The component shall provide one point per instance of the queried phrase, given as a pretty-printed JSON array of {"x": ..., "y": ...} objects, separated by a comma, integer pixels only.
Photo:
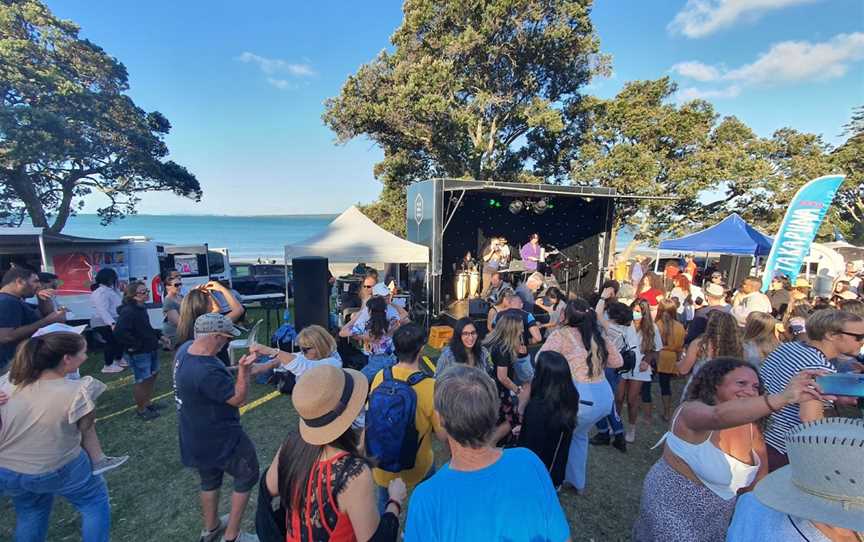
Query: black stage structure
[{"x": 454, "y": 216}]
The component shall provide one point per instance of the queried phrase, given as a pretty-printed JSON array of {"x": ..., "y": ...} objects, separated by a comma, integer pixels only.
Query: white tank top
[{"x": 719, "y": 471}]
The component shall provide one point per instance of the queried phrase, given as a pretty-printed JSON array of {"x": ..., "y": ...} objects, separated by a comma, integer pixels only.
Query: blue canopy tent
[{"x": 731, "y": 236}]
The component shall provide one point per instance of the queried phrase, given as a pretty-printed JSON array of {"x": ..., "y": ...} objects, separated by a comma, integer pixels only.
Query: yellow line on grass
[
  {"x": 133, "y": 407},
  {"x": 260, "y": 401}
]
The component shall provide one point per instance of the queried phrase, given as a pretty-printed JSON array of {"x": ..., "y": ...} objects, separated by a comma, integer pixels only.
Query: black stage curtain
[{"x": 572, "y": 224}]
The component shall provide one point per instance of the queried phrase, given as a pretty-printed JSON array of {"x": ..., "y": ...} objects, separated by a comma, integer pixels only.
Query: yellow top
[{"x": 425, "y": 421}]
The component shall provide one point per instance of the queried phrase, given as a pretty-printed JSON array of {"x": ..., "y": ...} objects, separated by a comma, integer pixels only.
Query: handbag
[{"x": 628, "y": 356}]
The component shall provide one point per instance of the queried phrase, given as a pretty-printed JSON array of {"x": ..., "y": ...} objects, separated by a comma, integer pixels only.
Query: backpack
[{"x": 392, "y": 440}]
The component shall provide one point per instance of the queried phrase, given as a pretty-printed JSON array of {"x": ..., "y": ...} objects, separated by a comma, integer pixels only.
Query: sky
[{"x": 243, "y": 83}]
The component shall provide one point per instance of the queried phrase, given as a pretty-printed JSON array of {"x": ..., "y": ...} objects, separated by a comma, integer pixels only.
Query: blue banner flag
[{"x": 805, "y": 214}]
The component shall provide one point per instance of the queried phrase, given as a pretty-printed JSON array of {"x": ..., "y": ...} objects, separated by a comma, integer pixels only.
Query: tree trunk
[
  {"x": 26, "y": 191},
  {"x": 64, "y": 209}
]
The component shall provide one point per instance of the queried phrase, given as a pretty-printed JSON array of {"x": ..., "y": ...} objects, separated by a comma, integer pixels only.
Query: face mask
[{"x": 637, "y": 316}]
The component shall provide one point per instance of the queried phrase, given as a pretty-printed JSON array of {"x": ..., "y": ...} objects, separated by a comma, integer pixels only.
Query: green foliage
[
  {"x": 474, "y": 88},
  {"x": 66, "y": 127},
  {"x": 848, "y": 211}
]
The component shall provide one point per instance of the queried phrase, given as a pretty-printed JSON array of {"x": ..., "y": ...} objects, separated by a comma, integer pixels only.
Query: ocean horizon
[{"x": 247, "y": 238}]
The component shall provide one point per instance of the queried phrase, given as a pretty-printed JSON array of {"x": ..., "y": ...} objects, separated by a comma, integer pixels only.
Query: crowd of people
[{"x": 755, "y": 450}]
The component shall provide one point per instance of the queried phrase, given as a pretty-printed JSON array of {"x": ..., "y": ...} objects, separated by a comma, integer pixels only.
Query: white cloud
[
  {"x": 785, "y": 62},
  {"x": 697, "y": 71},
  {"x": 273, "y": 68},
  {"x": 693, "y": 93},
  {"x": 700, "y": 18}
]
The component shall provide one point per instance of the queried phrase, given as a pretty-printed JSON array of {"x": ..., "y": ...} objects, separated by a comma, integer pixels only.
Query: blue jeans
[
  {"x": 143, "y": 365},
  {"x": 382, "y": 496},
  {"x": 376, "y": 363},
  {"x": 613, "y": 420},
  {"x": 523, "y": 371},
  {"x": 600, "y": 394},
  {"x": 33, "y": 496}
]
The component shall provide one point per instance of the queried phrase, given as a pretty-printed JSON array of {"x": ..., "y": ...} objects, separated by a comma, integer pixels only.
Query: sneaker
[
  {"x": 216, "y": 534},
  {"x": 113, "y": 368},
  {"x": 619, "y": 443},
  {"x": 600, "y": 439},
  {"x": 122, "y": 363},
  {"x": 630, "y": 434},
  {"x": 147, "y": 414},
  {"x": 243, "y": 537},
  {"x": 108, "y": 463}
]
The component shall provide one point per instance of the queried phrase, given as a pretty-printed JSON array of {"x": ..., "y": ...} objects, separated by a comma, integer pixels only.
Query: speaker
[
  {"x": 311, "y": 292},
  {"x": 735, "y": 269}
]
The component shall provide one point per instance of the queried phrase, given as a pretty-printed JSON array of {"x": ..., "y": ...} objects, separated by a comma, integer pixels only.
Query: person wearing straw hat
[
  {"x": 817, "y": 497},
  {"x": 320, "y": 473},
  {"x": 212, "y": 441}
]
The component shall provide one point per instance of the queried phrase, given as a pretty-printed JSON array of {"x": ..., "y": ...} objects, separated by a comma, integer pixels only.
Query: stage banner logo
[{"x": 805, "y": 214}]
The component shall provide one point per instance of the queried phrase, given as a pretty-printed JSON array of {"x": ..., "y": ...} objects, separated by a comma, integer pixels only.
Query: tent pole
[{"x": 657, "y": 261}]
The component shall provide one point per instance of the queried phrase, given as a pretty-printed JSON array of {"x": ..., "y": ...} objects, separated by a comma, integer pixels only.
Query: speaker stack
[{"x": 311, "y": 292}]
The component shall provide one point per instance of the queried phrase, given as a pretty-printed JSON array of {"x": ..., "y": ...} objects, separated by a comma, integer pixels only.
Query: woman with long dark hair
[
  {"x": 554, "y": 304},
  {"x": 323, "y": 481},
  {"x": 376, "y": 335},
  {"x": 588, "y": 354},
  {"x": 140, "y": 344},
  {"x": 551, "y": 414},
  {"x": 465, "y": 347},
  {"x": 44, "y": 425},
  {"x": 106, "y": 299},
  {"x": 713, "y": 450},
  {"x": 637, "y": 383}
]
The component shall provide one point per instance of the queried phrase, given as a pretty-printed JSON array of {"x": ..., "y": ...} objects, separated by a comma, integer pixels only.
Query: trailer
[{"x": 76, "y": 260}]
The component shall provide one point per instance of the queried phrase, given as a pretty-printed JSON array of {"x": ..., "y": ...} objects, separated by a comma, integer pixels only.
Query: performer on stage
[
  {"x": 531, "y": 253},
  {"x": 467, "y": 263},
  {"x": 493, "y": 259}
]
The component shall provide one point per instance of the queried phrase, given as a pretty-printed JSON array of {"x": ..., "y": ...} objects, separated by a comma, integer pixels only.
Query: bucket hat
[
  {"x": 328, "y": 399},
  {"x": 715, "y": 290},
  {"x": 824, "y": 480}
]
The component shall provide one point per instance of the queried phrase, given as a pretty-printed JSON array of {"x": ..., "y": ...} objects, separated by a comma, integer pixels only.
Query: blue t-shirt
[
  {"x": 755, "y": 521},
  {"x": 512, "y": 499},
  {"x": 14, "y": 313},
  {"x": 209, "y": 427}
]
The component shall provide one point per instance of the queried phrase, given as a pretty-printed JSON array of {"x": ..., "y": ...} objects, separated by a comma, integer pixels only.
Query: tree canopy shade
[
  {"x": 482, "y": 89},
  {"x": 67, "y": 129}
]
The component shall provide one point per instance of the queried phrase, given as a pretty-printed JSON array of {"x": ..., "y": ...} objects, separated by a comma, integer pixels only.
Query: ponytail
[
  {"x": 43, "y": 353},
  {"x": 582, "y": 318}
]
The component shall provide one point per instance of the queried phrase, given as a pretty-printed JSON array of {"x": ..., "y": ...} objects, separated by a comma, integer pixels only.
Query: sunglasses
[
  {"x": 367, "y": 286},
  {"x": 858, "y": 336},
  {"x": 176, "y": 284},
  {"x": 142, "y": 292},
  {"x": 306, "y": 349}
]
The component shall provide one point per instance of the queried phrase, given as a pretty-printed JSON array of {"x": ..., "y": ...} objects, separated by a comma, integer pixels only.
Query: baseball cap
[
  {"x": 380, "y": 289},
  {"x": 715, "y": 290},
  {"x": 60, "y": 328},
  {"x": 213, "y": 322}
]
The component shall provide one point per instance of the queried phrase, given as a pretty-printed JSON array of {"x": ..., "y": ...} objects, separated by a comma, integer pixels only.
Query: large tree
[
  {"x": 848, "y": 210},
  {"x": 473, "y": 88},
  {"x": 68, "y": 130}
]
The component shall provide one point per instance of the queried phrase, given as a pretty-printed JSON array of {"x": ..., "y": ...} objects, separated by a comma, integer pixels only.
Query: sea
[{"x": 247, "y": 238}]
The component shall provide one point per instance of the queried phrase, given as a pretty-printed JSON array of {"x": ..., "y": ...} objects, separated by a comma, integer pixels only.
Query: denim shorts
[
  {"x": 242, "y": 466},
  {"x": 143, "y": 365},
  {"x": 523, "y": 371}
]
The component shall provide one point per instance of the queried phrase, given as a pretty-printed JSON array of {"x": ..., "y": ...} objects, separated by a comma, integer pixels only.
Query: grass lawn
[{"x": 154, "y": 498}]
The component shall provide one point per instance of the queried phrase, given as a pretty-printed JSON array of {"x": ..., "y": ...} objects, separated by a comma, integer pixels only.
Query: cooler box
[{"x": 440, "y": 336}]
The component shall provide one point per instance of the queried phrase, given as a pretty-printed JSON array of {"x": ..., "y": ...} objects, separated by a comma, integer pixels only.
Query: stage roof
[
  {"x": 352, "y": 238},
  {"x": 542, "y": 189},
  {"x": 731, "y": 236}
]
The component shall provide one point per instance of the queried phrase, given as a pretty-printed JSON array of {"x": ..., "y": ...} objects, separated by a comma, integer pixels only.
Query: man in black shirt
[{"x": 212, "y": 441}]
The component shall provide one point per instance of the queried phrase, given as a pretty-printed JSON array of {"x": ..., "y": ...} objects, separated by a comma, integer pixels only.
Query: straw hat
[
  {"x": 328, "y": 399},
  {"x": 824, "y": 480},
  {"x": 801, "y": 282}
]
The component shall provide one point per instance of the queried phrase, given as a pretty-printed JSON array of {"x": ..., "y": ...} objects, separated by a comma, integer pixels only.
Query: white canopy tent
[{"x": 352, "y": 238}]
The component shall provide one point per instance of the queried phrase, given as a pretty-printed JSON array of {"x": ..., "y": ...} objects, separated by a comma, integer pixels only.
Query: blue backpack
[{"x": 391, "y": 434}]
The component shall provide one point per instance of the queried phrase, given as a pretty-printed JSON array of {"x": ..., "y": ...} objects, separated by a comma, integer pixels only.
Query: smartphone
[{"x": 849, "y": 384}]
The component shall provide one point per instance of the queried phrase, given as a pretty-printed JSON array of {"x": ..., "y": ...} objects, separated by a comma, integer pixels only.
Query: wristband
[{"x": 398, "y": 506}]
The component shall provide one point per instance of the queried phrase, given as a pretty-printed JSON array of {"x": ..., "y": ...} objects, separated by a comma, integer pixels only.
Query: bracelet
[
  {"x": 768, "y": 404},
  {"x": 398, "y": 506}
]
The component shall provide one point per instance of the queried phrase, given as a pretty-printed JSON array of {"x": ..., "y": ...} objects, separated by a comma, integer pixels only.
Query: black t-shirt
[
  {"x": 544, "y": 433},
  {"x": 14, "y": 313},
  {"x": 209, "y": 427}
]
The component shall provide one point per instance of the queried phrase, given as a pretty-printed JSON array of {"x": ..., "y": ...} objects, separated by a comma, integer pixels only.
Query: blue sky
[{"x": 243, "y": 83}]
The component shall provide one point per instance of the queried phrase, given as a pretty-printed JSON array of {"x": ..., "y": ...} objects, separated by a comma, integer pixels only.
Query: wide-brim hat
[
  {"x": 328, "y": 400},
  {"x": 715, "y": 290},
  {"x": 59, "y": 328},
  {"x": 824, "y": 480}
]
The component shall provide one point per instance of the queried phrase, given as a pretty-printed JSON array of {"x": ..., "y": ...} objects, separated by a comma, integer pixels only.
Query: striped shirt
[{"x": 779, "y": 367}]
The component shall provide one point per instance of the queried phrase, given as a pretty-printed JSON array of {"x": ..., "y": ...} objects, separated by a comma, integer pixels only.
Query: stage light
[
  {"x": 516, "y": 206},
  {"x": 540, "y": 206}
]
